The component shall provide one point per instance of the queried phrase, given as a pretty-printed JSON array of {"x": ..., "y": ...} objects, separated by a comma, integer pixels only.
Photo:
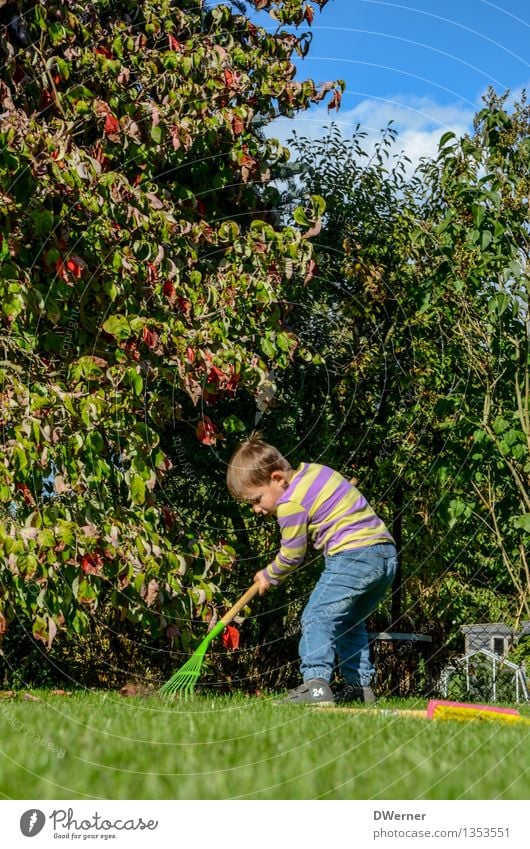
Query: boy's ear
[{"x": 278, "y": 476}]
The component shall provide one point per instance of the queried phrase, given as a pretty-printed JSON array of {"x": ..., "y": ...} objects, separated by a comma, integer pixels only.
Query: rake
[{"x": 184, "y": 680}]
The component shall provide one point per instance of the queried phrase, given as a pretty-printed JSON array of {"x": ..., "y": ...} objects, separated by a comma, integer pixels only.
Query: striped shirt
[{"x": 321, "y": 504}]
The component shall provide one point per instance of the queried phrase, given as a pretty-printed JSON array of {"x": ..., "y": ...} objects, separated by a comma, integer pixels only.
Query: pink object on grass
[{"x": 435, "y": 703}]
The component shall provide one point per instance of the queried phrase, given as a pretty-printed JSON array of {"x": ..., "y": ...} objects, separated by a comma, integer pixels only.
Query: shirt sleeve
[{"x": 292, "y": 519}]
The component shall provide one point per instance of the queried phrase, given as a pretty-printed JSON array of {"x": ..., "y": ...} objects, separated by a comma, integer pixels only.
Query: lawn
[{"x": 101, "y": 745}]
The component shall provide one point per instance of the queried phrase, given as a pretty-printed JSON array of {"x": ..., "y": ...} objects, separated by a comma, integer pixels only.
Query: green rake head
[{"x": 184, "y": 680}]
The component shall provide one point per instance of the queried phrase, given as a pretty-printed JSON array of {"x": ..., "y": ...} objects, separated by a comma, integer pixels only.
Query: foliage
[
  {"x": 422, "y": 283},
  {"x": 154, "y": 307},
  {"x": 388, "y": 373},
  {"x": 477, "y": 242},
  {"x": 141, "y": 283}
]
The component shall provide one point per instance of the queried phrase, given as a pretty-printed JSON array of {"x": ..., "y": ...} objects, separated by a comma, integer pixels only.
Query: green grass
[{"x": 100, "y": 745}]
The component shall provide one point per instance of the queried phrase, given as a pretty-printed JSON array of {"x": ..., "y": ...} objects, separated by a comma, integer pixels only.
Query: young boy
[{"x": 360, "y": 563}]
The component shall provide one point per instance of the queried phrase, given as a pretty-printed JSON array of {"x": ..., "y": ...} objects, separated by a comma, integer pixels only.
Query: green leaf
[
  {"x": 89, "y": 367},
  {"x": 319, "y": 205},
  {"x": 233, "y": 425},
  {"x": 40, "y": 629},
  {"x": 40, "y": 15},
  {"x": 523, "y": 522},
  {"x": 500, "y": 425},
  {"x": 94, "y": 442},
  {"x": 137, "y": 489},
  {"x": 42, "y": 221},
  {"x": 498, "y": 304},
  {"x": 445, "y": 138},
  {"x": 117, "y": 326},
  {"x": 186, "y": 65},
  {"x": 63, "y": 68},
  {"x": 46, "y": 538},
  {"x": 485, "y": 239},
  {"x": 300, "y": 217},
  {"x": 268, "y": 348},
  {"x": 157, "y": 134},
  {"x": 470, "y": 149},
  {"x": 478, "y": 214},
  {"x": 134, "y": 380},
  {"x": 80, "y": 622}
]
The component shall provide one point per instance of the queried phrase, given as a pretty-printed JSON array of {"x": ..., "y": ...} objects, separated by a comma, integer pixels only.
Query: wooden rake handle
[{"x": 245, "y": 598}]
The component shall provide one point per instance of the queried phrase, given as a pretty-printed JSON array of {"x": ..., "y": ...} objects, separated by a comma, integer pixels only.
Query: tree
[
  {"x": 413, "y": 277},
  {"x": 140, "y": 282},
  {"x": 478, "y": 243}
]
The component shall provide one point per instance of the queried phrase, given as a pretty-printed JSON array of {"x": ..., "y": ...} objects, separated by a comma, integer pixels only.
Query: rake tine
[{"x": 184, "y": 680}]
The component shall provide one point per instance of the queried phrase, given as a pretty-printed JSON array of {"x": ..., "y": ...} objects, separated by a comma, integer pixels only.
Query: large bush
[{"x": 141, "y": 287}]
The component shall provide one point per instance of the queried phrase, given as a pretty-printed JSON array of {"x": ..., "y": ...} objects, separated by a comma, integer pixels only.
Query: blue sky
[{"x": 425, "y": 64}]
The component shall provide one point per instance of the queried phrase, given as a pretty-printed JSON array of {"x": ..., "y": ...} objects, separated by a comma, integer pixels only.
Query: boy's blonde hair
[{"x": 252, "y": 464}]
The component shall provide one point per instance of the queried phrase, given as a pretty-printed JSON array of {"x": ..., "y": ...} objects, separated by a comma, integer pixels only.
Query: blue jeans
[{"x": 333, "y": 622}]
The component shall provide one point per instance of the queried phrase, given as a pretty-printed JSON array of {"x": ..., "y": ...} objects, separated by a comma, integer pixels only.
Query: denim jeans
[{"x": 333, "y": 622}]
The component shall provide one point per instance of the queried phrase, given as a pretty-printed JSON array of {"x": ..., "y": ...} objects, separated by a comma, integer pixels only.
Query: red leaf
[
  {"x": 216, "y": 375},
  {"x": 185, "y": 306},
  {"x": 237, "y": 125},
  {"x": 152, "y": 592},
  {"x": 75, "y": 267},
  {"x": 149, "y": 337},
  {"x": 201, "y": 208},
  {"x": 46, "y": 98},
  {"x": 152, "y": 272},
  {"x": 231, "y": 637},
  {"x": 61, "y": 270},
  {"x": 173, "y": 43},
  {"x": 18, "y": 74},
  {"x": 99, "y": 156},
  {"x": 91, "y": 564},
  {"x": 103, "y": 51},
  {"x": 312, "y": 269},
  {"x": 233, "y": 380},
  {"x": 26, "y": 493},
  {"x": 190, "y": 355},
  {"x": 112, "y": 125},
  {"x": 334, "y": 103},
  {"x": 169, "y": 291},
  {"x": 309, "y": 15},
  {"x": 207, "y": 431},
  {"x": 132, "y": 350},
  {"x": 229, "y": 78},
  {"x": 169, "y": 518},
  {"x": 246, "y": 159}
]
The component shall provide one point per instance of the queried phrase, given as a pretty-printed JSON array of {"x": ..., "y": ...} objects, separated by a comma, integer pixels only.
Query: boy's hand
[{"x": 264, "y": 584}]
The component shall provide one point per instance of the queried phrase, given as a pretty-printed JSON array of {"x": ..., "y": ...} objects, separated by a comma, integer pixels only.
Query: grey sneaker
[
  {"x": 350, "y": 693},
  {"x": 316, "y": 691}
]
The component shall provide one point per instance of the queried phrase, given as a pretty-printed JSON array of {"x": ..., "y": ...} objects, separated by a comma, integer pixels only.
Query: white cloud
[{"x": 420, "y": 122}]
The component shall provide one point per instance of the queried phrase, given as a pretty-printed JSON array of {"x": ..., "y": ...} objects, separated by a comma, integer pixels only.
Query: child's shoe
[
  {"x": 316, "y": 691},
  {"x": 350, "y": 693}
]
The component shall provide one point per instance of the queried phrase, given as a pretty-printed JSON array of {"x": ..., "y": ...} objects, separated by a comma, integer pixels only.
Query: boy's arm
[{"x": 292, "y": 519}]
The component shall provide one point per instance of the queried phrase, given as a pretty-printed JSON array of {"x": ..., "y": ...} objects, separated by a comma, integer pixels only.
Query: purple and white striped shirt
[{"x": 322, "y": 505}]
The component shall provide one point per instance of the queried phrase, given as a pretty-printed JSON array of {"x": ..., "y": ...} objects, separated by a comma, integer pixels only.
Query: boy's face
[{"x": 263, "y": 499}]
